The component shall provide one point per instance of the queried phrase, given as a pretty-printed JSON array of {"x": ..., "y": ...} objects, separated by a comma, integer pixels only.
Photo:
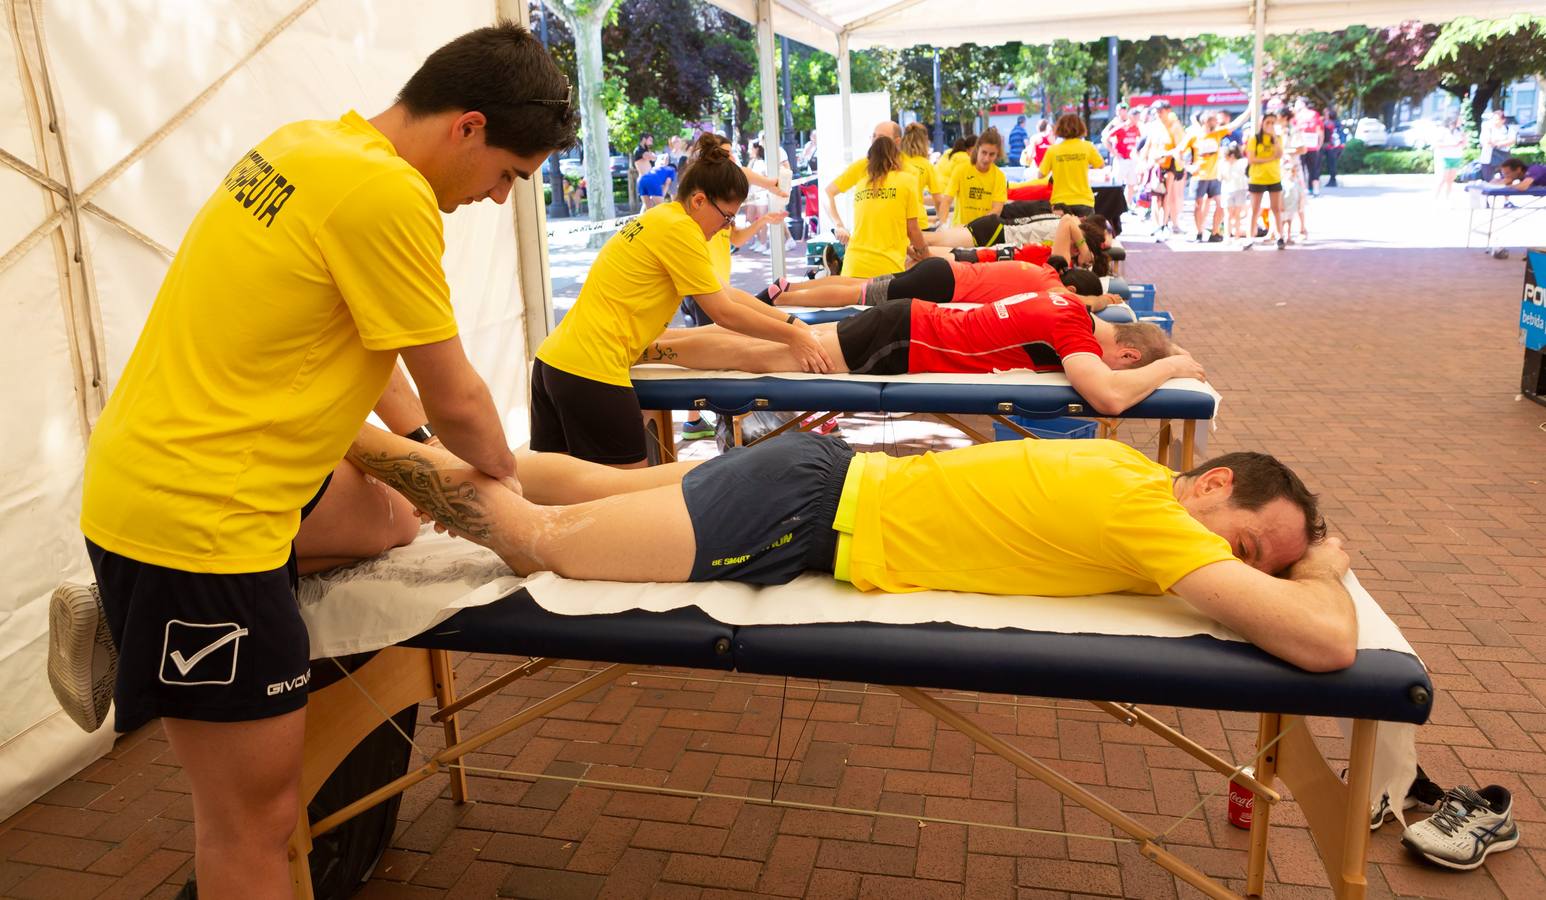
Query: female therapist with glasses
[{"x": 582, "y": 400}]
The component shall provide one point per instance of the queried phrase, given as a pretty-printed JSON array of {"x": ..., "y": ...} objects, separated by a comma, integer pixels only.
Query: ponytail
[
  {"x": 884, "y": 157},
  {"x": 711, "y": 170}
]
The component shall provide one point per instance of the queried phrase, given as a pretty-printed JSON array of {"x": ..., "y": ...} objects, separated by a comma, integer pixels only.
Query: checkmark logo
[
  {"x": 184, "y": 664},
  {"x": 209, "y": 648}
]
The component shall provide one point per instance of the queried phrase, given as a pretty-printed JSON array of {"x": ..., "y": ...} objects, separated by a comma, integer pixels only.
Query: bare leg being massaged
[{"x": 1213, "y": 536}]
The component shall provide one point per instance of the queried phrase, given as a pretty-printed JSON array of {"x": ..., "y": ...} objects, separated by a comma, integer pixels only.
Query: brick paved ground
[{"x": 1387, "y": 376}]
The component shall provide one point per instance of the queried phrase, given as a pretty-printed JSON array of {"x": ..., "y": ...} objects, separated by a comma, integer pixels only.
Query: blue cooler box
[
  {"x": 1141, "y": 297},
  {"x": 1050, "y": 429}
]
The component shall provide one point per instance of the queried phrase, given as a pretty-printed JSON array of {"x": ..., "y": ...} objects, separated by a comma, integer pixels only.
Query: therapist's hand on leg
[{"x": 808, "y": 350}]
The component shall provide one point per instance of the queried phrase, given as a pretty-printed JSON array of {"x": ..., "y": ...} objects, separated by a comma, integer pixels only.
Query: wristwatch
[{"x": 422, "y": 434}]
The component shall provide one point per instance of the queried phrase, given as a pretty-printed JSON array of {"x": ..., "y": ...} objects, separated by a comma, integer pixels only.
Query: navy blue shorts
[
  {"x": 763, "y": 514},
  {"x": 203, "y": 646}
]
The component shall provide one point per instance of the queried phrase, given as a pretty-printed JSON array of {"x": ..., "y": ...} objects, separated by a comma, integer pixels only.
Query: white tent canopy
[{"x": 945, "y": 23}]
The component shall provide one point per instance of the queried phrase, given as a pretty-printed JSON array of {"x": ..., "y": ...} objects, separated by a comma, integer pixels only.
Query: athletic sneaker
[
  {"x": 82, "y": 661},
  {"x": 1216, "y": 238},
  {"x": 1468, "y": 826},
  {"x": 696, "y": 430},
  {"x": 1281, "y": 245}
]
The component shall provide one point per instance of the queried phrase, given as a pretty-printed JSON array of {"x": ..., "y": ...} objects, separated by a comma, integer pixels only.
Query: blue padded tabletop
[
  {"x": 1035, "y": 401},
  {"x": 1198, "y": 671},
  {"x": 818, "y": 315},
  {"x": 515, "y": 624},
  {"x": 738, "y": 395},
  {"x": 1499, "y": 190}
]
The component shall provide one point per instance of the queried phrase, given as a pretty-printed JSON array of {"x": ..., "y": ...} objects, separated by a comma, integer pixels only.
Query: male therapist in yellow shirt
[{"x": 314, "y": 266}]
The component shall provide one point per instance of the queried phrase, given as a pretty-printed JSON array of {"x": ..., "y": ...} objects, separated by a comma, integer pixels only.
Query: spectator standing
[
  {"x": 807, "y": 158},
  {"x": 1069, "y": 162},
  {"x": 1309, "y": 135},
  {"x": 644, "y": 155},
  {"x": 1043, "y": 142},
  {"x": 1448, "y": 156},
  {"x": 1335, "y": 138},
  {"x": 1017, "y": 139},
  {"x": 1121, "y": 138},
  {"x": 1497, "y": 140}
]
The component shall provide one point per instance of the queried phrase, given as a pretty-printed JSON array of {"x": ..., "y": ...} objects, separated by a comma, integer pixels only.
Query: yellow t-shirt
[
  {"x": 975, "y": 192},
  {"x": 274, "y": 333},
  {"x": 881, "y": 213},
  {"x": 928, "y": 180},
  {"x": 1047, "y": 518},
  {"x": 634, "y": 286},
  {"x": 719, "y": 255},
  {"x": 1205, "y": 150},
  {"x": 1069, "y": 163},
  {"x": 1265, "y": 173},
  {"x": 852, "y": 175}
]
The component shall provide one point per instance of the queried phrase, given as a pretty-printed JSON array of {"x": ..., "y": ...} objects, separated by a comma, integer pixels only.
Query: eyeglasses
[
  {"x": 561, "y": 105},
  {"x": 729, "y": 217}
]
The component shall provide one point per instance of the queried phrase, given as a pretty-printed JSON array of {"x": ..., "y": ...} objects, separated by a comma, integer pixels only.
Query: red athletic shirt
[
  {"x": 1124, "y": 138},
  {"x": 990, "y": 281},
  {"x": 1033, "y": 331},
  {"x": 1029, "y": 192}
]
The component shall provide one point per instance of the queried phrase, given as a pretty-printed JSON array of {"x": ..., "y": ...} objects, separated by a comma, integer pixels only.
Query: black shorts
[
  {"x": 1078, "y": 209},
  {"x": 1273, "y": 188},
  {"x": 1208, "y": 187},
  {"x": 763, "y": 514},
  {"x": 986, "y": 230},
  {"x": 875, "y": 341},
  {"x": 931, "y": 279},
  {"x": 202, "y": 646},
  {"x": 589, "y": 420}
]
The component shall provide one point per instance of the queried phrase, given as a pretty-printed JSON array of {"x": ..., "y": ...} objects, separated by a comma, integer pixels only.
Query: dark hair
[
  {"x": 1070, "y": 126},
  {"x": 502, "y": 72},
  {"x": 964, "y": 143},
  {"x": 1147, "y": 338},
  {"x": 1513, "y": 162},
  {"x": 1093, "y": 227},
  {"x": 711, "y": 170},
  {"x": 884, "y": 157},
  {"x": 1082, "y": 281},
  {"x": 1261, "y": 479},
  {"x": 1057, "y": 263}
]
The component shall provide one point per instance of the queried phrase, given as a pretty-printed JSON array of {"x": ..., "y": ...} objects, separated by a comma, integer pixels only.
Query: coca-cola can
[{"x": 1241, "y": 801}]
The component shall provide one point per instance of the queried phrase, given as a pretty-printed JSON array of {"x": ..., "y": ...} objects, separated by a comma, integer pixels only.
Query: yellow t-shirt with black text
[
  {"x": 1205, "y": 150},
  {"x": 1042, "y": 518},
  {"x": 975, "y": 192},
  {"x": 1268, "y": 172},
  {"x": 273, "y": 335},
  {"x": 634, "y": 287},
  {"x": 928, "y": 180},
  {"x": 1069, "y": 163},
  {"x": 881, "y": 212}
]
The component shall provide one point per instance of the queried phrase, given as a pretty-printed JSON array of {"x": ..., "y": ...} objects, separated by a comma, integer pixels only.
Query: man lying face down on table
[
  {"x": 1110, "y": 366},
  {"x": 1239, "y": 537}
]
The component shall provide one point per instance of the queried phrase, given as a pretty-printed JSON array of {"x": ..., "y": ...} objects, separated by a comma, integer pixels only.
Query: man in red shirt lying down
[
  {"x": 1112, "y": 366},
  {"x": 940, "y": 280}
]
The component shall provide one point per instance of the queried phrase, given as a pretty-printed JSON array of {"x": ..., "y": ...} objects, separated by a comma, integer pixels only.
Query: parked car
[
  {"x": 620, "y": 165},
  {"x": 1529, "y": 135},
  {"x": 1418, "y": 134},
  {"x": 1371, "y": 132},
  {"x": 572, "y": 167}
]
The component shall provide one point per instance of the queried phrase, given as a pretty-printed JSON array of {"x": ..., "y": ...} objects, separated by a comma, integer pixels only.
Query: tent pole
[
  {"x": 770, "y": 138},
  {"x": 531, "y": 232},
  {"x": 1256, "y": 64},
  {"x": 845, "y": 91}
]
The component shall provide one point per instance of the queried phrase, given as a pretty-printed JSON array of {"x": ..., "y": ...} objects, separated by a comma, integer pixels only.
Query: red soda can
[{"x": 1241, "y": 801}]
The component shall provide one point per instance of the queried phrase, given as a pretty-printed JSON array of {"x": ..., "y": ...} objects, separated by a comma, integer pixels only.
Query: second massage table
[
  {"x": 663, "y": 388},
  {"x": 1116, "y": 651}
]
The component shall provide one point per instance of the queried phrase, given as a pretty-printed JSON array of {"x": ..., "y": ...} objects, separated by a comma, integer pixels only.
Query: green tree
[
  {"x": 585, "y": 19},
  {"x": 1475, "y": 58},
  {"x": 1357, "y": 68},
  {"x": 1060, "y": 73}
]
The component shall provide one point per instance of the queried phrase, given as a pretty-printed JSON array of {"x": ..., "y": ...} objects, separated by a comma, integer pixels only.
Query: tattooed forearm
[
  {"x": 657, "y": 352},
  {"x": 450, "y": 499}
]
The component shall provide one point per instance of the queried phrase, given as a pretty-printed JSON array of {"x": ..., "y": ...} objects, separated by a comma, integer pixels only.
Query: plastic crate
[
  {"x": 1161, "y": 318},
  {"x": 1141, "y": 297},
  {"x": 1049, "y": 429}
]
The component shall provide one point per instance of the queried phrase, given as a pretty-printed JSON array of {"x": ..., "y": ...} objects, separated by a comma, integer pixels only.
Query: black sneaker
[
  {"x": 1216, "y": 238},
  {"x": 1281, "y": 245},
  {"x": 1261, "y": 232}
]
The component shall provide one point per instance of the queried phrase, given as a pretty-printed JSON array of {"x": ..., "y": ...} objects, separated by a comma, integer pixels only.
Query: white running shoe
[
  {"x": 1468, "y": 826},
  {"x": 82, "y": 661}
]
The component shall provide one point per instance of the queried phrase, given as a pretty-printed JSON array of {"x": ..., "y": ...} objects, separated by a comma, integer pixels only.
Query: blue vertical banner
[{"x": 1532, "y": 302}]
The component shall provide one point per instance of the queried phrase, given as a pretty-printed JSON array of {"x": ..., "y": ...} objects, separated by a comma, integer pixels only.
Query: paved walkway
[{"x": 1388, "y": 377}]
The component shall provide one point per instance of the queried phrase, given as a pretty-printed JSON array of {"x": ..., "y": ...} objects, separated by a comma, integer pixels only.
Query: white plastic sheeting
[
  {"x": 945, "y": 23},
  {"x": 121, "y": 70}
]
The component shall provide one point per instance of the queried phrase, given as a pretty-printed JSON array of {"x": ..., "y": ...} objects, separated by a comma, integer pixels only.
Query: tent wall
[{"x": 120, "y": 72}]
